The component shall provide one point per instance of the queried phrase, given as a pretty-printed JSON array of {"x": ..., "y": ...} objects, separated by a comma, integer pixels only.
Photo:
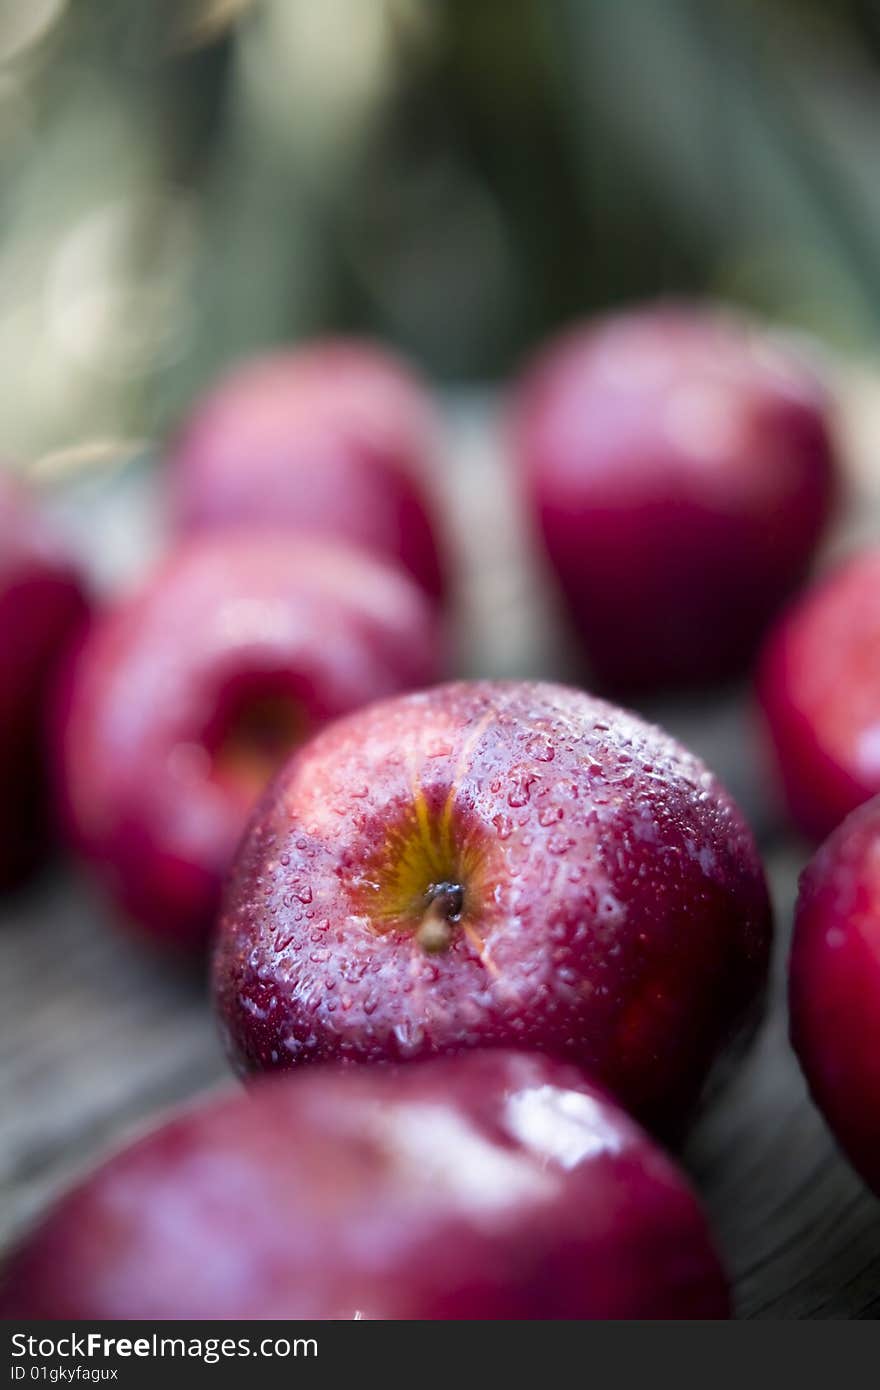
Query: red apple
[
  {"x": 42, "y": 604},
  {"x": 187, "y": 695},
  {"x": 681, "y": 472},
  {"x": 834, "y": 985},
  {"x": 332, "y": 439},
  {"x": 496, "y": 1186},
  {"x": 819, "y": 685},
  {"x": 496, "y": 864}
]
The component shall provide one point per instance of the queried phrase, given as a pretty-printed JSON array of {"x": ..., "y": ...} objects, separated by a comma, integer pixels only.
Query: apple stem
[
  {"x": 444, "y": 907},
  {"x": 435, "y": 931}
]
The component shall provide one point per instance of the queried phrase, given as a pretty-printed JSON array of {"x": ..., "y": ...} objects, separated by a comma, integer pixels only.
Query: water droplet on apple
[
  {"x": 438, "y": 748},
  {"x": 559, "y": 844},
  {"x": 540, "y": 748},
  {"x": 521, "y": 790}
]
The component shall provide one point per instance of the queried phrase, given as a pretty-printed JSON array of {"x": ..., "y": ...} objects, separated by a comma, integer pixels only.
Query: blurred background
[{"x": 186, "y": 180}]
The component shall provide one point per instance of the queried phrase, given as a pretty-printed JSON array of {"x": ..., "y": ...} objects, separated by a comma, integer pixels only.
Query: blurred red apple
[
  {"x": 681, "y": 472},
  {"x": 186, "y": 697},
  {"x": 819, "y": 685},
  {"x": 334, "y": 439},
  {"x": 494, "y": 1186},
  {"x": 42, "y": 604},
  {"x": 496, "y": 864},
  {"x": 834, "y": 986}
]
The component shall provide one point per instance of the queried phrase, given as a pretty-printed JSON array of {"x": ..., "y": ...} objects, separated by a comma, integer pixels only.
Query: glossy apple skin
[
  {"x": 680, "y": 471},
  {"x": 614, "y": 907},
  {"x": 331, "y": 439},
  {"x": 834, "y": 985},
  {"x": 42, "y": 606},
  {"x": 234, "y": 621},
  {"x": 499, "y": 1185},
  {"x": 819, "y": 688}
]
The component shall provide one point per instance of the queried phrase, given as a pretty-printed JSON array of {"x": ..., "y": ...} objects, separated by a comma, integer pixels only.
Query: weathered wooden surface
[{"x": 98, "y": 1035}]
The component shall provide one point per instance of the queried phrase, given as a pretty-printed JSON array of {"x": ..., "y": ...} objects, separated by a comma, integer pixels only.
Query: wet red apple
[
  {"x": 496, "y": 864},
  {"x": 819, "y": 686},
  {"x": 187, "y": 695},
  {"x": 334, "y": 438},
  {"x": 494, "y": 1186},
  {"x": 42, "y": 605},
  {"x": 680, "y": 470},
  {"x": 834, "y": 985}
]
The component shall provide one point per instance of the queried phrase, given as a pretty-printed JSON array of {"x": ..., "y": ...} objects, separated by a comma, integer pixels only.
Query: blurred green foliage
[{"x": 186, "y": 181}]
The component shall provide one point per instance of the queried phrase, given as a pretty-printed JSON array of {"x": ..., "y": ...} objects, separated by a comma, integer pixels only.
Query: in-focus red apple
[
  {"x": 834, "y": 985},
  {"x": 680, "y": 470},
  {"x": 819, "y": 686},
  {"x": 334, "y": 438},
  {"x": 42, "y": 604},
  {"x": 186, "y": 696},
  {"x": 496, "y": 864},
  {"x": 495, "y": 1186}
]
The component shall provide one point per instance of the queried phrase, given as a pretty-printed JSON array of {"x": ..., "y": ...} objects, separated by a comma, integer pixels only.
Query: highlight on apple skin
[
  {"x": 834, "y": 985},
  {"x": 333, "y": 439},
  {"x": 43, "y": 605},
  {"x": 187, "y": 695},
  {"x": 681, "y": 472},
  {"x": 502, "y": 864},
  {"x": 819, "y": 688},
  {"x": 495, "y": 1186}
]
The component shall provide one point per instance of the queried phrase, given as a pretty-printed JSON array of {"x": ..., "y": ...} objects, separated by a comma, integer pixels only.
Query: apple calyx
[
  {"x": 444, "y": 906},
  {"x": 254, "y": 736}
]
